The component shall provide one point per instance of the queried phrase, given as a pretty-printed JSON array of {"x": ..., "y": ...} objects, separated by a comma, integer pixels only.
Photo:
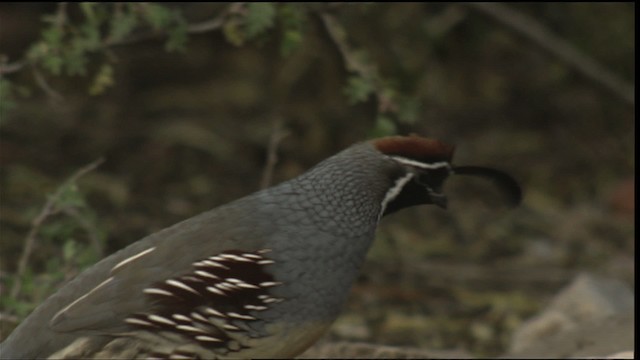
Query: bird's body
[{"x": 263, "y": 276}]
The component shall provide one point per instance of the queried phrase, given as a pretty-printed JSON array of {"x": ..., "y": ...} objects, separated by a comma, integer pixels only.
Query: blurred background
[{"x": 192, "y": 105}]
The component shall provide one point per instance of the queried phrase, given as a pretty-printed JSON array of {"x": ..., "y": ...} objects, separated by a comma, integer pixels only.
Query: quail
[{"x": 262, "y": 276}]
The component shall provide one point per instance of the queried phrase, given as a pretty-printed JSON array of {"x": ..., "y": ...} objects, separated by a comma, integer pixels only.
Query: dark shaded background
[{"x": 184, "y": 132}]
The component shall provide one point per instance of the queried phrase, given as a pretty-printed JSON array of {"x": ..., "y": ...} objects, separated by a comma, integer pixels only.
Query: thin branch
[
  {"x": 197, "y": 28},
  {"x": 339, "y": 37},
  {"x": 89, "y": 227},
  {"x": 44, "y": 85},
  {"x": 536, "y": 32},
  {"x": 47, "y": 210},
  {"x": 12, "y": 67},
  {"x": 4, "y": 317},
  {"x": 217, "y": 22},
  {"x": 277, "y": 135}
]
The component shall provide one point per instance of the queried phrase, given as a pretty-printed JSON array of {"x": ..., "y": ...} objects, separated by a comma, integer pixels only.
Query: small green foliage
[
  {"x": 122, "y": 24},
  {"x": 20, "y": 307},
  {"x": 170, "y": 21},
  {"x": 102, "y": 80},
  {"x": 67, "y": 47},
  {"x": 69, "y": 196},
  {"x": 292, "y": 20},
  {"x": 384, "y": 126},
  {"x": 69, "y": 229},
  {"x": 358, "y": 89},
  {"x": 409, "y": 109},
  {"x": 158, "y": 16},
  {"x": 89, "y": 10},
  {"x": 7, "y": 98},
  {"x": 59, "y": 229},
  {"x": 177, "y": 34},
  {"x": 291, "y": 40},
  {"x": 233, "y": 33},
  {"x": 53, "y": 37},
  {"x": 69, "y": 250},
  {"x": 260, "y": 17}
]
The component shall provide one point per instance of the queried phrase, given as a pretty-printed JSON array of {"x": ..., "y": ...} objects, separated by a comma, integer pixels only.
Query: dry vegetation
[{"x": 183, "y": 131}]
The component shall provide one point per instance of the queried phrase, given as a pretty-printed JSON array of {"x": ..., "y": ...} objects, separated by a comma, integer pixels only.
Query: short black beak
[
  {"x": 438, "y": 199},
  {"x": 504, "y": 181}
]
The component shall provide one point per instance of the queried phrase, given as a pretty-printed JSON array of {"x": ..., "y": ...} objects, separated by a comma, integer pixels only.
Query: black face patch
[{"x": 419, "y": 187}]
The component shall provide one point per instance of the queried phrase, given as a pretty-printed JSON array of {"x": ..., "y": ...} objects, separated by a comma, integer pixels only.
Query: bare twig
[
  {"x": 12, "y": 67},
  {"x": 44, "y": 85},
  {"x": 9, "y": 318},
  {"x": 277, "y": 135},
  {"x": 536, "y": 32},
  {"x": 217, "y": 22},
  {"x": 47, "y": 210}
]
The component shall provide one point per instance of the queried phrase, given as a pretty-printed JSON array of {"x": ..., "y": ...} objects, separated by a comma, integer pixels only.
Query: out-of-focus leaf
[
  {"x": 69, "y": 196},
  {"x": 409, "y": 110},
  {"x": 121, "y": 25},
  {"x": 177, "y": 35},
  {"x": 291, "y": 40},
  {"x": 292, "y": 20},
  {"x": 158, "y": 16},
  {"x": 53, "y": 37},
  {"x": 384, "y": 126},
  {"x": 89, "y": 10},
  {"x": 358, "y": 89},
  {"x": 102, "y": 80},
  {"x": 53, "y": 63},
  {"x": 69, "y": 250},
  {"x": 260, "y": 17},
  {"x": 233, "y": 33},
  {"x": 75, "y": 59},
  {"x": 7, "y": 99}
]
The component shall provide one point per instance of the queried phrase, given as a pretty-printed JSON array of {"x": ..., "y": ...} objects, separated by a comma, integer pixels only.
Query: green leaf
[
  {"x": 59, "y": 228},
  {"x": 233, "y": 33},
  {"x": 53, "y": 63},
  {"x": 177, "y": 34},
  {"x": 7, "y": 99},
  {"x": 358, "y": 89},
  {"x": 102, "y": 80},
  {"x": 89, "y": 10},
  {"x": 75, "y": 58},
  {"x": 53, "y": 37},
  {"x": 69, "y": 250},
  {"x": 69, "y": 196},
  {"x": 291, "y": 18},
  {"x": 157, "y": 15},
  {"x": 291, "y": 40},
  {"x": 89, "y": 39},
  {"x": 122, "y": 25},
  {"x": 260, "y": 17},
  {"x": 384, "y": 126},
  {"x": 409, "y": 110}
]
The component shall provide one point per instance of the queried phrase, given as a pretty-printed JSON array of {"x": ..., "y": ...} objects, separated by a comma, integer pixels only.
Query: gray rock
[
  {"x": 593, "y": 316},
  {"x": 352, "y": 350}
]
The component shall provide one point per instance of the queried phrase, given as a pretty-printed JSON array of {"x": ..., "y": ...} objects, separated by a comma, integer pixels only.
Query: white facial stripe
[
  {"x": 394, "y": 191},
  {"x": 418, "y": 164}
]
